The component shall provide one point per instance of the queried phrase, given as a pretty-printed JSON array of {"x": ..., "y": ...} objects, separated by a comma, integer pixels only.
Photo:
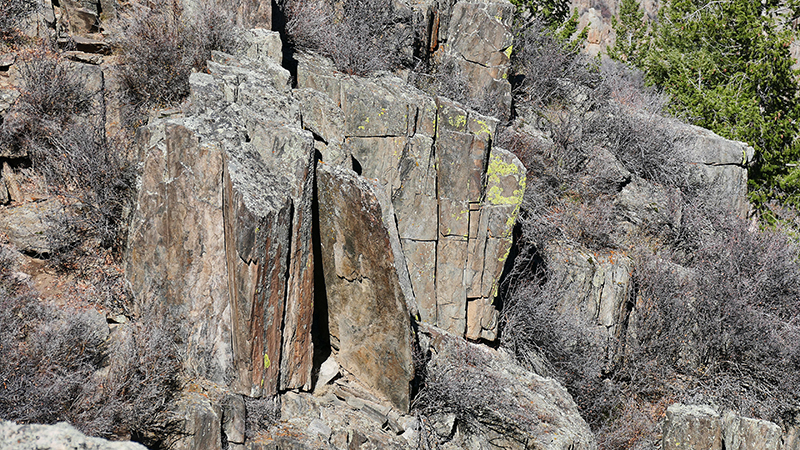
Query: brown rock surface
[{"x": 367, "y": 313}]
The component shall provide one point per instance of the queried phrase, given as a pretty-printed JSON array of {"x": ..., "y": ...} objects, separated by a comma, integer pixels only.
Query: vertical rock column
[
  {"x": 368, "y": 315},
  {"x": 176, "y": 259},
  {"x": 462, "y": 149},
  {"x": 490, "y": 240}
]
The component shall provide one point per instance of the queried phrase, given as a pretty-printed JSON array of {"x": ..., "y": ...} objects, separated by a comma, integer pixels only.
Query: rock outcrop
[
  {"x": 703, "y": 427},
  {"x": 240, "y": 277},
  {"x": 368, "y": 314},
  {"x": 59, "y": 436},
  {"x": 455, "y": 196}
]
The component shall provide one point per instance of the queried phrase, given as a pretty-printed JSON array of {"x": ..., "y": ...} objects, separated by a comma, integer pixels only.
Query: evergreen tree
[
  {"x": 630, "y": 31},
  {"x": 552, "y": 12},
  {"x": 727, "y": 66}
]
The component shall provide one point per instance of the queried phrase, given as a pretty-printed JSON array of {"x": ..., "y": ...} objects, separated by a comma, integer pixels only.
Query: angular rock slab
[
  {"x": 744, "y": 433},
  {"x": 368, "y": 315},
  {"x": 692, "y": 428}
]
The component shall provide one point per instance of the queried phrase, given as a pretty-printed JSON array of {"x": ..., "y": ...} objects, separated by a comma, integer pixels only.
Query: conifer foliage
[{"x": 727, "y": 67}]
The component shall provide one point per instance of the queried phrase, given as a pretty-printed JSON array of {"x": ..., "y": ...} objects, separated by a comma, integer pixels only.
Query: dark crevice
[
  {"x": 279, "y": 24},
  {"x": 319, "y": 329},
  {"x": 356, "y": 165}
]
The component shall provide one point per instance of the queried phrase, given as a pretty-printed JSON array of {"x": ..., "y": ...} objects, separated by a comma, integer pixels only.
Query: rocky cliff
[{"x": 331, "y": 249}]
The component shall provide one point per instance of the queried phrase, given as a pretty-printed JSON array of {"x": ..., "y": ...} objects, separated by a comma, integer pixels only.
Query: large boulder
[{"x": 368, "y": 314}]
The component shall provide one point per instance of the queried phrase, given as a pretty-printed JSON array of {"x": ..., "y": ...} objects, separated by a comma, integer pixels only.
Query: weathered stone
[
  {"x": 184, "y": 266},
  {"x": 743, "y": 433},
  {"x": 479, "y": 41},
  {"x": 254, "y": 14},
  {"x": 594, "y": 286},
  {"x": 520, "y": 409},
  {"x": 420, "y": 259},
  {"x": 200, "y": 423},
  {"x": 233, "y": 418},
  {"x": 692, "y": 428},
  {"x": 61, "y": 436},
  {"x": 262, "y": 44},
  {"x": 327, "y": 371},
  {"x": 645, "y": 205},
  {"x": 490, "y": 240},
  {"x": 368, "y": 315},
  {"x": 718, "y": 167},
  {"x": 451, "y": 293},
  {"x": 27, "y": 225},
  {"x": 323, "y": 117},
  {"x": 81, "y": 16}
]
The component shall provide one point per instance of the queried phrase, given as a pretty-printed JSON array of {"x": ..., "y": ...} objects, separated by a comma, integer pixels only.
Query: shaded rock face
[
  {"x": 59, "y": 436},
  {"x": 455, "y": 197},
  {"x": 221, "y": 236}
]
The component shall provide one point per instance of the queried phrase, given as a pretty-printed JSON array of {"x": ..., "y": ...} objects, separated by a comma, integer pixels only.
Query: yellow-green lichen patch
[
  {"x": 484, "y": 128},
  {"x": 457, "y": 121},
  {"x": 495, "y": 196},
  {"x": 508, "y": 51},
  {"x": 499, "y": 168}
]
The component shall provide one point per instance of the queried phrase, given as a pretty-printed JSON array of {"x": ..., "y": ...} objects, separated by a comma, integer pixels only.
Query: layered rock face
[
  {"x": 222, "y": 232},
  {"x": 455, "y": 196}
]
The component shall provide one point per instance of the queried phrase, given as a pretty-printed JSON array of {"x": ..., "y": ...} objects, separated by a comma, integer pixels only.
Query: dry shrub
[
  {"x": 160, "y": 46},
  {"x": 58, "y": 365},
  {"x": 12, "y": 13},
  {"x": 730, "y": 321},
  {"x": 447, "y": 79},
  {"x": 54, "y": 123},
  {"x": 460, "y": 380},
  {"x": 262, "y": 413},
  {"x": 360, "y": 36},
  {"x": 48, "y": 355},
  {"x": 547, "y": 70},
  {"x": 133, "y": 399}
]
